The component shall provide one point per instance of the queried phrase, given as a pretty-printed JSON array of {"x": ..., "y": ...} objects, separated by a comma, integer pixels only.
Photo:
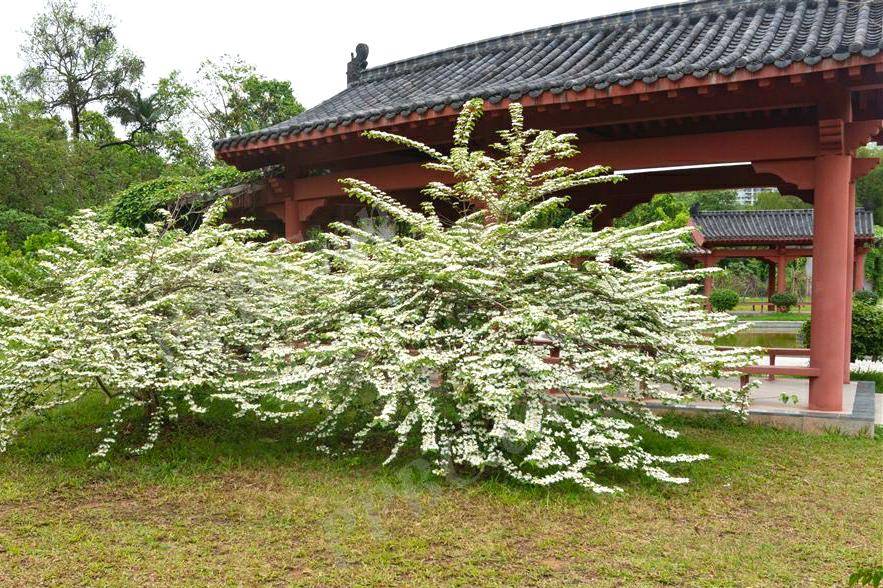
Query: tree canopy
[
  {"x": 79, "y": 123},
  {"x": 75, "y": 60},
  {"x": 230, "y": 97}
]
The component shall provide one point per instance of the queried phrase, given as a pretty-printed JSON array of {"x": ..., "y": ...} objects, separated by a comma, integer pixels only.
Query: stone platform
[{"x": 862, "y": 408}]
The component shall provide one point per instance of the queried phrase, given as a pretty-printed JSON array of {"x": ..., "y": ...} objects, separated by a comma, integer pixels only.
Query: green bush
[
  {"x": 863, "y": 375},
  {"x": 724, "y": 300},
  {"x": 784, "y": 301},
  {"x": 19, "y": 265},
  {"x": 867, "y": 577},
  {"x": 18, "y": 225},
  {"x": 867, "y": 297},
  {"x": 138, "y": 205},
  {"x": 867, "y": 332}
]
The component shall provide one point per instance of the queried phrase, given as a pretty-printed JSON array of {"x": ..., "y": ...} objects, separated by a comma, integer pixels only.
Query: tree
[
  {"x": 11, "y": 97},
  {"x": 670, "y": 210},
  {"x": 869, "y": 189},
  {"x": 43, "y": 174},
  {"x": 712, "y": 199},
  {"x": 777, "y": 201},
  {"x": 74, "y": 60},
  {"x": 673, "y": 210},
  {"x": 147, "y": 117},
  {"x": 96, "y": 128},
  {"x": 231, "y": 98},
  {"x": 441, "y": 337}
]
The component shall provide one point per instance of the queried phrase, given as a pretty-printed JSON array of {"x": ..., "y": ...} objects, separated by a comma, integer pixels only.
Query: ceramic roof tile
[
  {"x": 695, "y": 38},
  {"x": 769, "y": 225}
]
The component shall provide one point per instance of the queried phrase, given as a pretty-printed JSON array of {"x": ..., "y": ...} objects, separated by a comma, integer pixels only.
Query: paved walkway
[
  {"x": 766, "y": 390},
  {"x": 862, "y": 409}
]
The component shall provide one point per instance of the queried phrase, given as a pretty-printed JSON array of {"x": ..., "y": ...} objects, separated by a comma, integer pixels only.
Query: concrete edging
[{"x": 861, "y": 422}]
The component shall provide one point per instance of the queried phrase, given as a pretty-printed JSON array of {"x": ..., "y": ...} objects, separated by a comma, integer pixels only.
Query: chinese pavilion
[
  {"x": 709, "y": 94},
  {"x": 773, "y": 236}
]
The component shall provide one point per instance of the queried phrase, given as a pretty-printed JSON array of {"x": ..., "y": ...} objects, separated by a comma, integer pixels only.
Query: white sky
[{"x": 306, "y": 42}]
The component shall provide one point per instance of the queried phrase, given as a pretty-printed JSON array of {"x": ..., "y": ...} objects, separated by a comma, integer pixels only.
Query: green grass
[
  {"x": 774, "y": 316},
  {"x": 245, "y": 504}
]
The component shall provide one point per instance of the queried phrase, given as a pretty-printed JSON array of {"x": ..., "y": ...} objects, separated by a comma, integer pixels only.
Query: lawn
[
  {"x": 247, "y": 505},
  {"x": 774, "y": 316}
]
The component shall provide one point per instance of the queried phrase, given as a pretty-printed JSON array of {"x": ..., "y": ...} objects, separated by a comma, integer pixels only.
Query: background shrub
[
  {"x": 138, "y": 205},
  {"x": 723, "y": 300},
  {"x": 19, "y": 266},
  {"x": 18, "y": 225},
  {"x": 784, "y": 301},
  {"x": 867, "y": 297},
  {"x": 867, "y": 331}
]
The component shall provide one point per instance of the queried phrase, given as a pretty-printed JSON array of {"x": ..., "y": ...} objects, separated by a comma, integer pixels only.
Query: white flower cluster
[
  {"x": 156, "y": 321},
  {"x": 443, "y": 336},
  {"x": 867, "y": 366},
  {"x": 516, "y": 338}
]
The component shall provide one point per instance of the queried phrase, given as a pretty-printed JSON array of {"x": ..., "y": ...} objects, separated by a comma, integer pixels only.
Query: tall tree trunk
[{"x": 75, "y": 121}]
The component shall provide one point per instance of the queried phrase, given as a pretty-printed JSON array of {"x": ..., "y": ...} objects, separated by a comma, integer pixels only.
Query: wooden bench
[{"x": 773, "y": 371}]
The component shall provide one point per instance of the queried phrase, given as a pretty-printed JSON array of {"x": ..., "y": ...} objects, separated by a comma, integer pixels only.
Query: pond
[{"x": 757, "y": 339}]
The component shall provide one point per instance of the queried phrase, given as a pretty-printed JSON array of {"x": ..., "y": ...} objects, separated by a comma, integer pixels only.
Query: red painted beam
[
  {"x": 709, "y": 148},
  {"x": 703, "y": 149},
  {"x": 390, "y": 178},
  {"x": 722, "y": 253},
  {"x": 829, "y": 67}
]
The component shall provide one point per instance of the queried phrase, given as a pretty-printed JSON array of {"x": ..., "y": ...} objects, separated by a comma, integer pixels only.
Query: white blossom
[
  {"x": 163, "y": 322},
  {"x": 512, "y": 339},
  {"x": 432, "y": 336}
]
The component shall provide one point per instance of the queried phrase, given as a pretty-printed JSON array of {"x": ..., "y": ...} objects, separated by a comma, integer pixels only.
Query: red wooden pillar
[
  {"x": 859, "y": 271},
  {"x": 293, "y": 227},
  {"x": 850, "y": 282},
  {"x": 830, "y": 281},
  {"x": 781, "y": 274},
  {"x": 771, "y": 285},
  {"x": 708, "y": 286}
]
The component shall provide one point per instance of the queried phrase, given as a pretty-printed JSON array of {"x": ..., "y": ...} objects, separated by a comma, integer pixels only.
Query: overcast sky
[{"x": 306, "y": 42}]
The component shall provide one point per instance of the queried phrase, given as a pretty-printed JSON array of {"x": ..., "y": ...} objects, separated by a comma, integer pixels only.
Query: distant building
[{"x": 748, "y": 196}]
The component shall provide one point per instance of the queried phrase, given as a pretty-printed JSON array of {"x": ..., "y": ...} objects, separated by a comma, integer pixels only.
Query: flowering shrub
[
  {"x": 866, "y": 370},
  {"x": 161, "y": 322},
  {"x": 442, "y": 335},
  {"x": 514, "y": 339}
]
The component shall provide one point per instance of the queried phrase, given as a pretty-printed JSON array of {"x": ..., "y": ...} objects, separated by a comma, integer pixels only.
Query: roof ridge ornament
[{"x": 358, "y": 63}]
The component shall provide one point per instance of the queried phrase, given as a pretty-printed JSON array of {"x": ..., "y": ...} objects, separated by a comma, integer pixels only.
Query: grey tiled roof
[
  {"x": 769, "y": 225},
  {"x": 695, "y": 38}
]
